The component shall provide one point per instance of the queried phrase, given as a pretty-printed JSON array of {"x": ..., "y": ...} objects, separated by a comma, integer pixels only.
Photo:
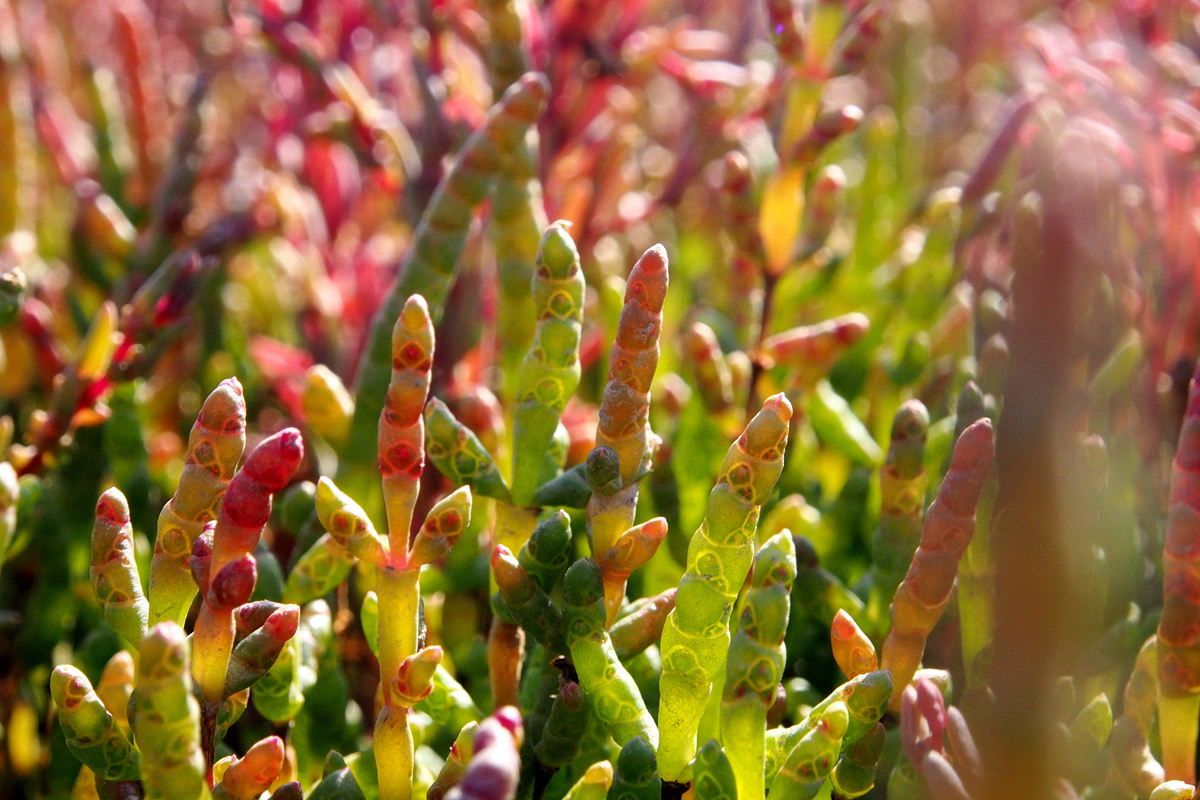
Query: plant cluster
[{"x": 786, "y": 400}]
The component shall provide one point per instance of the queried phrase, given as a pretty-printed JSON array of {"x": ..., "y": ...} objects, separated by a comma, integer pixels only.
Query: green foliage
[{"x": 888, "y": 262}]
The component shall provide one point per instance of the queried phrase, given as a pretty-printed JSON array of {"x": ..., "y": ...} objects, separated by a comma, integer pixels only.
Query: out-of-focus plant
[{"x": 738, "y": 532}]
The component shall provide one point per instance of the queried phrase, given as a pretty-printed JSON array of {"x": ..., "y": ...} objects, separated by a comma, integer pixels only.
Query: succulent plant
[{"x": 505, "y": 400}]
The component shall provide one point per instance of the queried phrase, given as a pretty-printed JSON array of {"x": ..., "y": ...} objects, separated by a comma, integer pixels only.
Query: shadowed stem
[
  {"x": 764, "y": 320},
  {"x": 208, "y": 737},
  {"x": 674, "y": 790},
  {"x": 119, "y": 790}
]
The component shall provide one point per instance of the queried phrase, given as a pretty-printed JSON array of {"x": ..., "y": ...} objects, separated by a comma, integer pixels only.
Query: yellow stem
[
  {"x": 399, "y": 497},
  {"x": 514, "y": 526},
  {"x": 506, "y": 647},
  {"x": 394, "y": 753},
  {"x": 781, "y": 215},
  {"x": 609, "y": 517},
  {"x": 614, "y": 595},
  {"x": 1177, "y": 717},
  {"x": 213, "y": 642},
  {"x": 398, "y": 591}
]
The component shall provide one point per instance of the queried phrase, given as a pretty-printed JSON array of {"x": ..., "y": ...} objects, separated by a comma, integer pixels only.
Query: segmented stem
[
  {"x": 114, "y": 571},
  {"x": 612, "y": 694},
  {"x": 429, "y": 267},
  {"x": 902, "y": 483},
  {"x": 215, "y": 446},
  {"x": 400, "y": 425},
  {"x": 946, "y": 532},
  {"x": 92, "y": 734},
  {"x": 244, "y": 511},
  {"x": 550, "y": 371},
  {"x": 696, "y": 636},
  {"x": 166, "y": 717},
  {"x": 755, "y": 662}
]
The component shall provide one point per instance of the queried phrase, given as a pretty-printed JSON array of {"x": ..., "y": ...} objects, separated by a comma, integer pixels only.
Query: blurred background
[{"x": 1006, "y": 192}]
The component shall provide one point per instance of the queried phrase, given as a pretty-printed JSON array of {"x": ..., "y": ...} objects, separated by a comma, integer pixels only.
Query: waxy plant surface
[{"x": 599, "y": 399}]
